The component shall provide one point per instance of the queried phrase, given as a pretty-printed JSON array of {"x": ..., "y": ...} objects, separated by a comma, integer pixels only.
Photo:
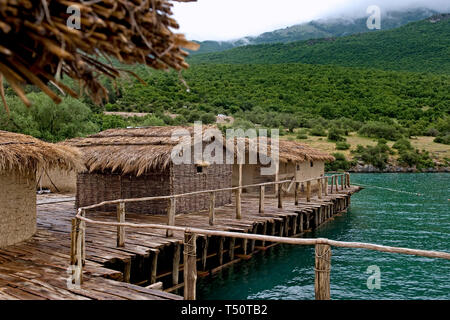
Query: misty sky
[{"x": 232, "y": 19}]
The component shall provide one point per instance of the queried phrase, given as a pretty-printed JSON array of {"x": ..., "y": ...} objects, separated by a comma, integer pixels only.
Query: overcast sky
[{"x": 232, "y": 19}]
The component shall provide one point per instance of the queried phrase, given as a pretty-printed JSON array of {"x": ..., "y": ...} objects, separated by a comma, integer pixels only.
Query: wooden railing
[
  {"x": 322, "y": 252},
  {"x": 322, "y": 246}
]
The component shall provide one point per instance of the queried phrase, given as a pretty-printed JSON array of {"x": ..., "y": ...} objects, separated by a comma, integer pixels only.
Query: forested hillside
[{"x": 422, "y": 46}]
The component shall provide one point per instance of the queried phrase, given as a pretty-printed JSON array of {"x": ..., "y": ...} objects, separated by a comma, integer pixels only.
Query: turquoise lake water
[{"x": 376, "y": 216}]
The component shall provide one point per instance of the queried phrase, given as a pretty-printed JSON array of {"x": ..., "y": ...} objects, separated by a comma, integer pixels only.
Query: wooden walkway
[{"x": 38, "y": 268}]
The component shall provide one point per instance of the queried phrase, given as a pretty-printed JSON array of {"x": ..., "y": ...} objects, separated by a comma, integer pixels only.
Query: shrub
[
  {"x": 402, "y": 144},
  {"x": 374, "y": 129},
  {"x": 318, "y": 131},
  {"x": 342, "y": 145},
  {"x": 302, "y": 136},
  {"x": 416, "y": 158},
  {"x": 443, "y": 139},
  {"x": 335, "y": 134},
  {"x": 341, "y": 163},
  {"x": 377, "y": 156}
]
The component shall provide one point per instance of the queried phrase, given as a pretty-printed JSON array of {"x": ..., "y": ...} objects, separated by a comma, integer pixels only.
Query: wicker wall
[
  {"x": 185, "y": 179},
  {"x": 17, "y": 207},
  {"x": 95, "y": 188}
]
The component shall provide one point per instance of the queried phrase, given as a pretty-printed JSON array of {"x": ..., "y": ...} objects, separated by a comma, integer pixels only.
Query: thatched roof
[
  {"x": 129, "y": 151},
  {"x": 140, "y": 150},
  {"x": 292, "y": 151},
  {"x": 25, "y": 154},
  {"x": 40, "y": 40}
]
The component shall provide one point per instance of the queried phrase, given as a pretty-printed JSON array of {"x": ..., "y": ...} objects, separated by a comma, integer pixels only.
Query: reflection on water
[{"x": 376, "y": 216}]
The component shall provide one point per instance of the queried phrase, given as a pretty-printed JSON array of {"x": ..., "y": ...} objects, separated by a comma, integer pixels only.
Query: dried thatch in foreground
[
  {"x": 37, "y": 45},
  {"x": 25, "y": 154}
]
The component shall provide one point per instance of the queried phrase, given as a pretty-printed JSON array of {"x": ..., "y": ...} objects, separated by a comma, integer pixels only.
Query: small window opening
[
  {"x": 199, "y": 169},
  {"x": 298, "y": 167},
  {"x": 311, "y": 163}
]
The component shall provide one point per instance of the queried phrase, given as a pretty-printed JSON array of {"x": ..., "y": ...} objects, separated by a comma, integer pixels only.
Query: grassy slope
[{"x": 438, "y": 151}]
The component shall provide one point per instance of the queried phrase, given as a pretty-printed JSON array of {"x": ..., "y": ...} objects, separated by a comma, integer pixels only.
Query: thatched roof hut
[
  {"x": 20, "y": 157},
  {"x": 137, "y": 162},
  {"x": 295, "y": 160}
]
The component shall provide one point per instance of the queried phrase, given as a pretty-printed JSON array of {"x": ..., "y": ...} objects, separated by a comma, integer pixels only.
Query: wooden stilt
[
  {"x": 212, "y": 205},
  {"x": 322, "y": 271},
  {"x": 244, "y": 246},
  {"x": 154, "y": 266},
  {"x": 121, "y": 219},
  {"x": 176, "y": 264},
  {"x": 238, "y": 204},
  {"x": 190, "y": 266},
  {"x": 231, "y": 249},
  {"x": 221, "y": 243},
  {"x": 252, "y": 242},
  {"x": 127, "y": 271},
  {"x": 261, "y": 199},
  {"x": 308, "y": 191},
  {"x": 280, "y": 197},
  {"x": 301, "y": 223},
  {"x": 263, "y": 243},
  {"x": 205, "y": 252},
  {"x": 319, "y": 185},
  {"x": 171, "y": 216}
]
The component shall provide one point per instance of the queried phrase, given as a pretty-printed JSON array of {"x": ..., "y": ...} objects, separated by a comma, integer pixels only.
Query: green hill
[{"x": 422, "y": 46}]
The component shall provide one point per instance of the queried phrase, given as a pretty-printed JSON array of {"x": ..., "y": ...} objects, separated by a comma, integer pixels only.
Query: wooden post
[
  {"x": 336, "y": 183},
  {"x": 261, "y": 199},
  {"x": 190, "y": 266},
  {"x": 322, "y": 271},
  {"x": 154, "y": 266},
  {"x": 319, "y": 185},
  {"x": 221, "y": 243},
  {"x": 73, "y": 242},
  {"x": 342, "y": 182},
  {"x": 331, "y": 184},
  {"x": 238, "y": 195},
  {"x": 326, "y": 186},
  {"x": 308, "y": 191},
  {"x": 176, "y": 264},
  {"x": 348, "y": 180},
  {"x": 280, "y": 196},
  {"x": 171, "y": 215},
  {"x": 205, "y": 252},
  {"x": 212, "y": 205},
  {"x": 121, "y": 219},
  {"x": 231, "y": 249},
  {"x": 238, "y": 204},
  {"x": 296, "y": 193}
]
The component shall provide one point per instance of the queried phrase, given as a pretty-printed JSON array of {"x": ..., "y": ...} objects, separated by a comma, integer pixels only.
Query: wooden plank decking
[{"x": 37, "y": 269}]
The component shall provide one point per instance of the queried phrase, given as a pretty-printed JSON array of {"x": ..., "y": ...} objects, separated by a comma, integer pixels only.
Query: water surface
[{"x": 376, "y": 216}]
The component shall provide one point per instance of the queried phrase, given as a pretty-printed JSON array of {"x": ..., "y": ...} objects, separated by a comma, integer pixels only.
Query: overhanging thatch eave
[{"x": 25, "y": 154}]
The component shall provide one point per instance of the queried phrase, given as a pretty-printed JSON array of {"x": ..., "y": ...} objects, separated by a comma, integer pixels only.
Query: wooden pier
[{"x": 123, "y": 265}]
